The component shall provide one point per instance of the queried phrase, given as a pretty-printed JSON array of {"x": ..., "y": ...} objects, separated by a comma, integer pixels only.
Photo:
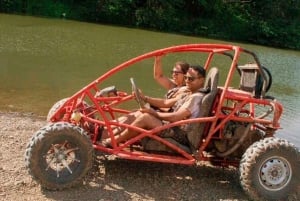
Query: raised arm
[{"x": 164, "y": 81}]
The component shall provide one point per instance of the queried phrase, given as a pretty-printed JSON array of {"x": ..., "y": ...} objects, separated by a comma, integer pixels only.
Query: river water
[{"x": 44, "y": 60}]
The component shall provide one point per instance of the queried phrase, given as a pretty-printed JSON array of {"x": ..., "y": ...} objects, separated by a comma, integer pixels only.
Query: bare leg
[
  {"x": 144, "y": 120},
  {"x": 126, "y": 119}
]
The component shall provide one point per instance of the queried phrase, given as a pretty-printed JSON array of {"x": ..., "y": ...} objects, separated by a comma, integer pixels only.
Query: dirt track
[{"x": 110, "y": 179}]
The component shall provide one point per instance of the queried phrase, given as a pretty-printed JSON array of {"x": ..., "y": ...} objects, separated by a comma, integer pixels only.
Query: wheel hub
[
  {"x": 275, "y": 173},
  {"x": 60, "y": 157}
]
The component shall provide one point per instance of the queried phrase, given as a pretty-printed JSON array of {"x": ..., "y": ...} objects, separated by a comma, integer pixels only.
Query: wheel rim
[
  {"x": 61, "y": 157},
  {"x": 275, "y": 173}
]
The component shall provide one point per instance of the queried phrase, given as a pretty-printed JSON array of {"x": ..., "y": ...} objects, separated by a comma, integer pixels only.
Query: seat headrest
[{"x": 212, "y": 78}]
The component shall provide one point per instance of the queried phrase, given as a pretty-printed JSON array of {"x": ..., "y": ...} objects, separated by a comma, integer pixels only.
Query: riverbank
[{"x": 110, "y": 179}]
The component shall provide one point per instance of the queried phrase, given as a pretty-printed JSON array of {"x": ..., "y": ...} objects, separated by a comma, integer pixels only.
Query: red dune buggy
[{"x": 236, "y": 128}]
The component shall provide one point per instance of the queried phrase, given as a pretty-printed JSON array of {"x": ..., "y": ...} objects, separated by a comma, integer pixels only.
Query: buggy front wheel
[
  {"x": 59, "y": 156},
  {"x": 269, "y": 169}
]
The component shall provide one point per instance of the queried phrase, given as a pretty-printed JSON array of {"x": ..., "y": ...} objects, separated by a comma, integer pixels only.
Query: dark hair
[
  {"x": 201, "y": 71},
  {"x": 183, "y": 65}
]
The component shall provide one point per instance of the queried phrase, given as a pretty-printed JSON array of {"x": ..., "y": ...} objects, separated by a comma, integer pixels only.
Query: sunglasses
[
  {"x": 190, "y": 78},
  {"x": 176, "y": 72}
]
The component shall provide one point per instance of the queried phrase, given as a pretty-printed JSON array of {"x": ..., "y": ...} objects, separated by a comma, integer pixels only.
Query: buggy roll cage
[{"x": 101, "y": 111}]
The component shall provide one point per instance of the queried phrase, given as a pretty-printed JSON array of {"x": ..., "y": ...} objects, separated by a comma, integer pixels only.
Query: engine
[{"x": 237, "y": 137}]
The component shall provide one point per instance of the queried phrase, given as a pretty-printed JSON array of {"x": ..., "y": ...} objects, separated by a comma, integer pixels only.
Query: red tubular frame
[{"x": 105, "y": 105}]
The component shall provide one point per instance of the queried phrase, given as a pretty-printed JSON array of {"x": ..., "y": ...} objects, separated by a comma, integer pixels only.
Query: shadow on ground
[{"x": 133, "y": 180}]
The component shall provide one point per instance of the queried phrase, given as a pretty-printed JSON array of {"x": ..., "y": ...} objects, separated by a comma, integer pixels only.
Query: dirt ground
[{"x": 111, "y": 179}]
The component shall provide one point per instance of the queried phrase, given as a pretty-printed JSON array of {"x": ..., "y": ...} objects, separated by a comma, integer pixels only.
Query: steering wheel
[{"x": 137, "y": 94}]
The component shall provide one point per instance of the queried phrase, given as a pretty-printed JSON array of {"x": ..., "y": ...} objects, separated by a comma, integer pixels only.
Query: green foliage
[
  {"x": 11, "y": 6},
  {"x": 268, "y": 22},
  {"x": 45, "y": 8}
]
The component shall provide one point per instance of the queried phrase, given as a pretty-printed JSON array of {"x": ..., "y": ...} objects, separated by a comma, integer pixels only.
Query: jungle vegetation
[{"x": 268, "y": 22}]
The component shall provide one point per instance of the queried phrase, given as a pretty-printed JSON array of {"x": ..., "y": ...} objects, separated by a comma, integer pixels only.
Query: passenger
[
  {"x": 186, "y": 106},
  {"x": 171, "y": 84}
]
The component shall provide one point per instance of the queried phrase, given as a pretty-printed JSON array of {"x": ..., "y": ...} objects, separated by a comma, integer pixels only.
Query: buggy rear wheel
[
  {"x": 269, "y": 169},
  {"x": 55, "y": 107},
  {"x": 59, "y": 156},
  {"x": 59, "y": 103}
]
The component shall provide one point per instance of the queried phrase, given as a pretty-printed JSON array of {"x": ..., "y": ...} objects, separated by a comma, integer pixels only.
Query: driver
[{"x": 186, "y": 106}]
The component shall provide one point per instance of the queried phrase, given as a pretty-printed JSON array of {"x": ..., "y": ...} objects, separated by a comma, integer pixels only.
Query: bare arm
[
  {"x": 164, "y": 81},
  {"x": 161, "y": 103},
  {"x": 170, "y": 116}
]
